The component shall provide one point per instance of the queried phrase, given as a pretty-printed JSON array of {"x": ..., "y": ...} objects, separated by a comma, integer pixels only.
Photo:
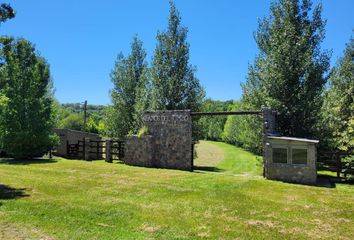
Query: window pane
[
  {"x": 299, "y": 156},
  {"x": 280, "y": 155}
]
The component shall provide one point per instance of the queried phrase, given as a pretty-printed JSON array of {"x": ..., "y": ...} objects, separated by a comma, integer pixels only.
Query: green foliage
[
  {"x": 78, "y": 108},
  {"x": 212, "y": 127},
  {"x": 54, "y": 140},
  {"x": 289, "y": 73},
  {"x": 95, "y": 124},
  {"x": 6, "y": 12},
  {"x": 73, "y": 121},
  {"x": 27, "y": 116},
  {"x": 243, "y": 131},
  {"x": 71, "y": 116},
  {"x": 338, "y": 107},
  {"x": 143, "y": 131},
  {"x": 130, "y": 95},
  {"x": 173, "y": 81}
]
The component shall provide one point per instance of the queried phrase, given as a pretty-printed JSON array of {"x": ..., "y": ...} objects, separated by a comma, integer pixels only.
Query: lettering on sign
[{"x": 166, "y": 119}]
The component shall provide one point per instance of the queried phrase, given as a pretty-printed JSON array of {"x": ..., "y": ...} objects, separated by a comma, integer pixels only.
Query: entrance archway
[{"x": 268, "y": 117}]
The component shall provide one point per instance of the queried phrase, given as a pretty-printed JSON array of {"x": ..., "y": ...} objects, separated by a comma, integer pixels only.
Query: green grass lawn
[
  {"x": 68, "y": 199},
  {"x": 222, "y": 157}
]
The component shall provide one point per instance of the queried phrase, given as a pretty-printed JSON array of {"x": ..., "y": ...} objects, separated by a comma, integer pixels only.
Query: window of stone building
[
  {"x": 280, "y": 155},
  {"x": 299, "y": 156}
]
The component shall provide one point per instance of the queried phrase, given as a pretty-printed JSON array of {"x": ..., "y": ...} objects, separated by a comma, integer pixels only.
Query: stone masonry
[
  {"x": 139, "y": 151},
  {"x": 289, "y": 171},
  {"x": 168, "y": 145}
]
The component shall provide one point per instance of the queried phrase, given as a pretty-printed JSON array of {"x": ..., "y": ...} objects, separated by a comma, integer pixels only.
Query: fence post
[
  {"x": 108, "y": 151},
  {"x": 98, "y": 150},
  {"x": 339, "y": 165},
  {"x": 87, "y": 149},
  {"x": 192, "y": 157},
  {"x": 120, "y": 150},
  {"x": 83, "y": 149},
  {"x": 67, "y": 148},
  {"x": 268, "y": 117}
]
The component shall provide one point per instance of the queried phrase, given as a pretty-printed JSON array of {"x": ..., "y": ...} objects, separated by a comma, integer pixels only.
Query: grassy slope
[
  {"x": 227, "y": 158},
  {"x": 96, "y": 200}
]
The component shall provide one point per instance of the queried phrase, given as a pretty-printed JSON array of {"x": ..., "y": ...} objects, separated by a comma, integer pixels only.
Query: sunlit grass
[
  {"x": 71, "y": 199},
  {"x": 228, "y": 159}
]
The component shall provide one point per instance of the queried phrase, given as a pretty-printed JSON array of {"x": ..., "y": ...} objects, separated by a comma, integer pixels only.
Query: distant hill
[{"x": 79, "y": 107}]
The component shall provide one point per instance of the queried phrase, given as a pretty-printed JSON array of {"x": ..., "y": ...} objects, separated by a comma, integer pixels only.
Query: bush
[{"x": 143, "y": 132}]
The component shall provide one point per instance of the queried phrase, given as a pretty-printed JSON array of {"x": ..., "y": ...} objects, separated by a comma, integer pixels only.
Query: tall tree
[
  {"x": 6, "y": 12},
  {"x": 27, "y": 117},
  {"x": 290, "y": 72},
  {"x": 130, "y": 96},
  {"x": 338, "y": 108},
  {"x": 173, "y": 80}
]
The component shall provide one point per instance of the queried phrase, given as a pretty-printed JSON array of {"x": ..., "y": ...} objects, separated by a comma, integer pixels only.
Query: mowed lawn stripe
[{"x": 71, "y": 199}]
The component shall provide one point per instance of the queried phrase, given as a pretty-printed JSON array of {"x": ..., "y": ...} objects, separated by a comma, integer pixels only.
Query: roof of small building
[{"x": 294, "y": 139}]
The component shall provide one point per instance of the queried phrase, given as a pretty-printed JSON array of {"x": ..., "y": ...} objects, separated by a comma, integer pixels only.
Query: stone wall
[
  {"x": 170, "y": 141},
  {"x": 72, "y": 136},
  {"x": 139, "y": 151}
]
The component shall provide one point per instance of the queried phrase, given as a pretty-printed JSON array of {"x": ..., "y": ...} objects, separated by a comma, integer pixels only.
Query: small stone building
[
  {"x": 290, "y": 159},
  {"x": 72, "y": 137}
]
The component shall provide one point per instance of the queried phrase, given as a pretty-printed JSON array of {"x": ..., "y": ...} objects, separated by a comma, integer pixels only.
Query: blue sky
[{"x": 81, "y": 39}]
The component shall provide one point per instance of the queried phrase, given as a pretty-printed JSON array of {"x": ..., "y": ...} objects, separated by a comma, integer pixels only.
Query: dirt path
[{"x": 15, "y": 232}]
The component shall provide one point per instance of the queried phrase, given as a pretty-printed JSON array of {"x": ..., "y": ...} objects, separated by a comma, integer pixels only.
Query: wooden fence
[
  {"x": 336, "y": 161},
  {"x": 96, "y": 149}
]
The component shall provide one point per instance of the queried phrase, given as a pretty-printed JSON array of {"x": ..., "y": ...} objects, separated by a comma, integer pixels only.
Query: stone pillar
[
  {"x": 171, "y": 132},
  {"x": 108, "y": 151},
  {"x": 87, "y": 149},
  {"x": 268, "y": 129},
  {"x": 268, "y": 121}
]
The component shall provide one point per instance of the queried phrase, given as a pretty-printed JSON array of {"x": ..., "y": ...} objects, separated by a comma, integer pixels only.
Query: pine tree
[
  {"x": 130, "y": 96},
  {"x": 289, "y": 74},
  {"x": 338, "y": 108},
  {"x": 27, "y": 118},
  {"x": 173, "y": 81}
]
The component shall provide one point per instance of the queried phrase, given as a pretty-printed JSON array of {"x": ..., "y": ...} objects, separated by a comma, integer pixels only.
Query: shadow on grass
[
  {"x": 207, "y": 169},
  {"x": 11, "y": 161},
  {"x": 118, "y": 162},
  {"x": 7, "y": 192},
  {"x": 334, "y": 179},
  {"x": 326, "y": 181}
]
